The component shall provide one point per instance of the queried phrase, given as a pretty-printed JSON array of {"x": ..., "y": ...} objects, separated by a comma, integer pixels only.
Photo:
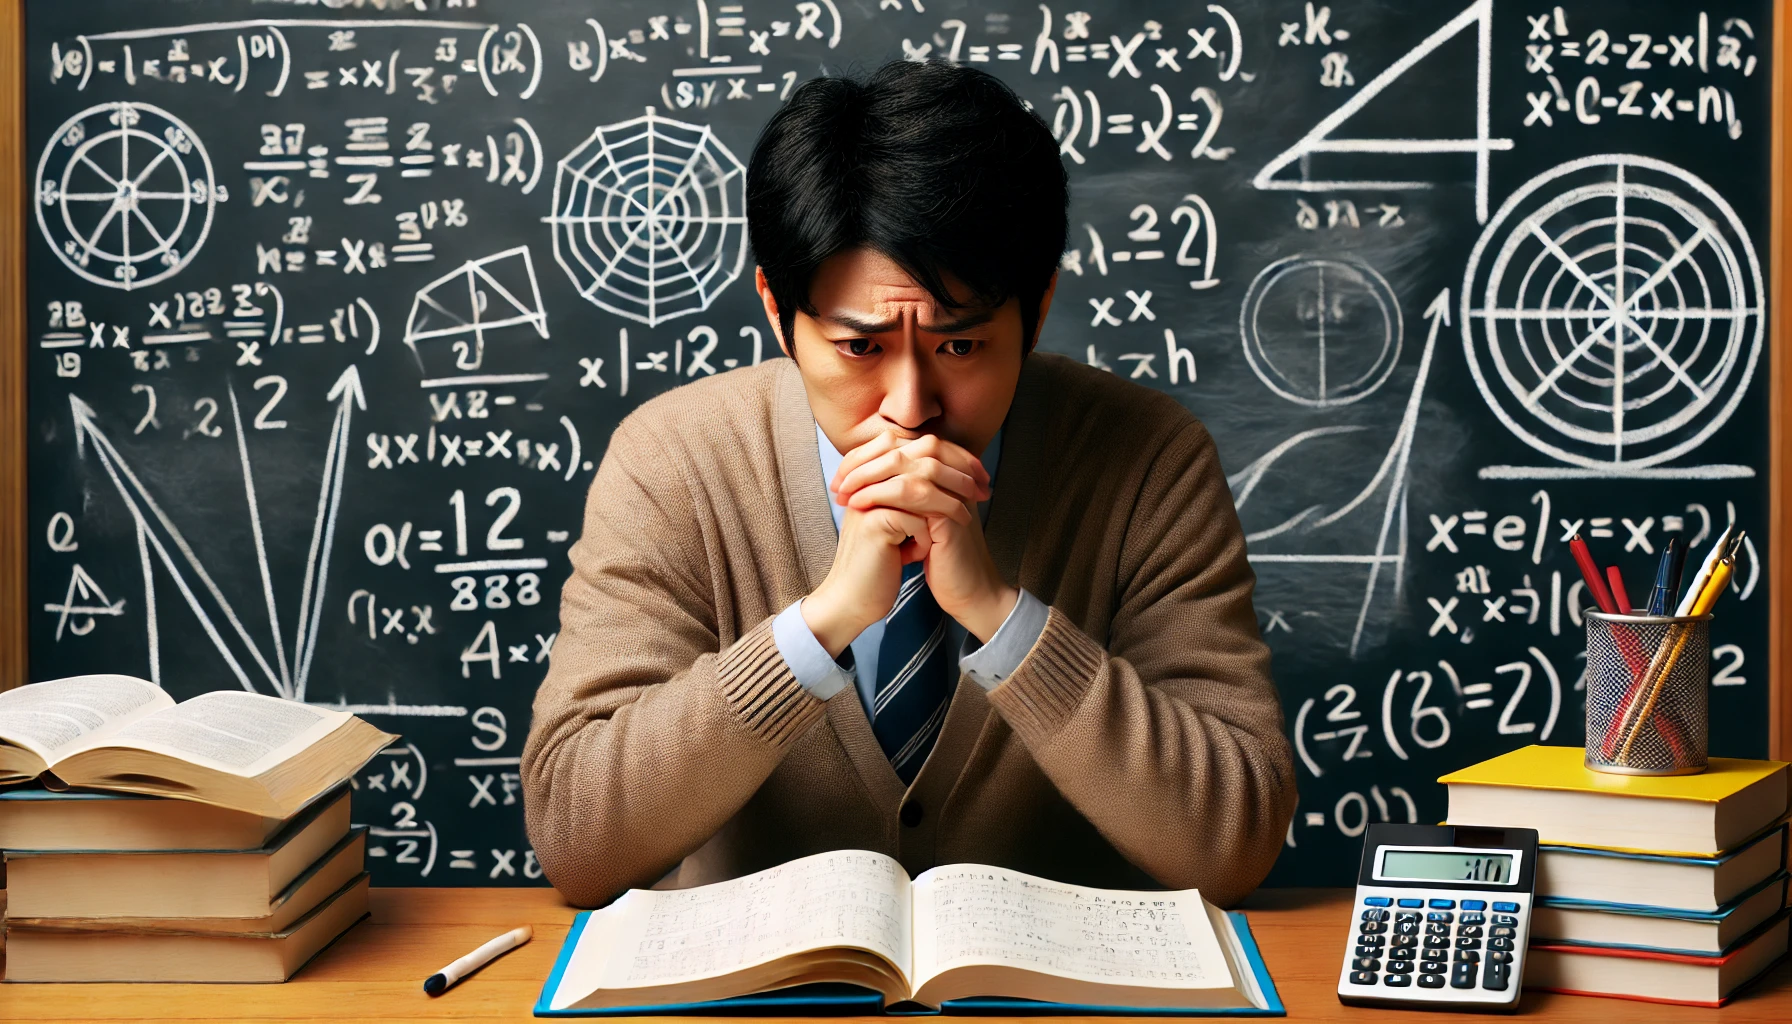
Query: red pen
[
  {"x": 1589, "y": 571},
  {"x": 1619, "y": 596}
]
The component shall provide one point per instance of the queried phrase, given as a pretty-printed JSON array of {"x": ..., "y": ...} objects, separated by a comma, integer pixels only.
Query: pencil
[{"x": 1715, "y": 582}]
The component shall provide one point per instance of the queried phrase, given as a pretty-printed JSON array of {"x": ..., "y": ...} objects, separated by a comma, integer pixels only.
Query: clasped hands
[{"x": 908, "y": 500}]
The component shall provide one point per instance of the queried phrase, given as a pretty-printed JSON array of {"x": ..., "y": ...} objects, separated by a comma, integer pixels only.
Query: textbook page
[
  {"x": 973, "y": 914},
  {"x": 55, "y": 718},
  {"x": 231, "y": 731},
  {"x": 852, "y": 898}
]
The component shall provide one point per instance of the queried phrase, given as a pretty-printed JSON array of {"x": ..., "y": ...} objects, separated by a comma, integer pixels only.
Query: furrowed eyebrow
[{"x": 868, "y": 326}]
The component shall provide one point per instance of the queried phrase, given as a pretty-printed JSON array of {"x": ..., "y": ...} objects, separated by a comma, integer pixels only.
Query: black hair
[{"x": 940, "y": 167}]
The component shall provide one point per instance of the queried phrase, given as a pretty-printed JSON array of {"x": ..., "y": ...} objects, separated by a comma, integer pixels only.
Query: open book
[
  {"x": 956, "y": 932},
  {"x": 245, "y": 751}
]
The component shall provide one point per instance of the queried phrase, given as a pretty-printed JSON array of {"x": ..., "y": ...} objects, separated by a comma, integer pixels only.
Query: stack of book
[
  {"x": 146, "y": 840},
  {"x": 1661, "y": 888}
]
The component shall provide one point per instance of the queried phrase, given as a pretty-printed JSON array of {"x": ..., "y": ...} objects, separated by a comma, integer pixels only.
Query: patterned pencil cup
[{"x": 1648, "y": 693}]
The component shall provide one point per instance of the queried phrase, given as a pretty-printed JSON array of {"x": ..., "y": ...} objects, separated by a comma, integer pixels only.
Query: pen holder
[{"x": 1648, "y": 693}]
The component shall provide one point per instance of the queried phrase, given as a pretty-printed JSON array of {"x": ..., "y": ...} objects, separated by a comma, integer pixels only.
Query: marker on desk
[{"x": 439, "y": 982}]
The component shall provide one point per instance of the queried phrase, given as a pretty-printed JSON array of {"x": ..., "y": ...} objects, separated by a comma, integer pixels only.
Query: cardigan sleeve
[
  {"x": 648, "y": 734},
  {"x": 1169, "y": 739}
]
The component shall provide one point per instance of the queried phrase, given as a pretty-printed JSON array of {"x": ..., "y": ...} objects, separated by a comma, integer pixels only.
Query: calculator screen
[{"x": 1487, "y": 866}]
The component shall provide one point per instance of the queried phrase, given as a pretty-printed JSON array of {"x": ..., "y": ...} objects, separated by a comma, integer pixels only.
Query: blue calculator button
[
  {"x": 1420, "y": 903},
  {"x": 1474, "y": 904},
  {"x": 1443, "y": 904},
  {"x": 1377, "y": 901},
  {"x": 1498, "y": 908}
]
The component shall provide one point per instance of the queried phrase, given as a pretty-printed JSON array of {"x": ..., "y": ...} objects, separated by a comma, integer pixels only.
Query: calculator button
[
  {"x": 1375, "y": 915},
  {"x": 1437, "y": 928},
  {"x": 1405, "y": 927},
  {"x": 1470, "y": 931},
  {"x": 1440, "y": 915},
  {"x": 1376, "y": 901},
  {"x": 1365, "y": 963},
  {"x": 1406, "y": 915},
  {"x": 1463, "y": 976},
  {"x": 1474, "y": 919},
  {"x": 1443, "y": 904},
  {"x": 1436, "y": 942},
  {"x": 1397, "y": 980},
  {"x": 1431, "y": 981},
  {"x": 1362, "y": 978},
  {"x": 1466, "y": 956},
  {"x": 1504, "y": 919},
  {"x": 1371, "y": 940},
  {"x": 1399, "y": 967},
  {"x": 1372, "y": 928},
  {"x": 1503, "y": 931},
  {"x": 1474, "y": 904},
  {"x": 1502, "y": 945},
  {"x": 1404, "y": 942},
  {"x": 1403, "y": 953},
  {"x": 1499, "y": 956},
  {"x": 1420, "y": 903},
  {"x": 1497, "y": 977},
  {"x": 1434, "y": 955},
  {"x": 1498, "y": 908},
  {"x": 1434, "y": 967},
  {"x": 1367, "y": 951}
]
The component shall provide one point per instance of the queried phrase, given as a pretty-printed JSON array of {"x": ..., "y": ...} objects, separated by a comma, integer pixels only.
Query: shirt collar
[{"x": 832, "y": 457}]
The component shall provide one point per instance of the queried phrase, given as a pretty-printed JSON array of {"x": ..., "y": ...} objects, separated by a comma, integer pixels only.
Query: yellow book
[{"x": 1551, "y": 790}]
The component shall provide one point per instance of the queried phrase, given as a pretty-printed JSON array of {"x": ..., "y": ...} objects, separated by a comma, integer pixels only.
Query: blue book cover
[
  {"x": 840, "y": 1000},
  {"x": 1779, "y": 880}
]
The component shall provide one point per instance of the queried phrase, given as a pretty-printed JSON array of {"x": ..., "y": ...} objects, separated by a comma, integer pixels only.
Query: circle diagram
[
  {"x": 125, "y": 194},
  {"x": 1611, "y": 312},
  {"x": 650, "y": 218},
  {"x": 1322, "y": 331}
]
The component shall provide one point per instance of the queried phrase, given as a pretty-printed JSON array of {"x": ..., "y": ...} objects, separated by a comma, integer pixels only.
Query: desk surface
[{"x": 376, "y": 971}]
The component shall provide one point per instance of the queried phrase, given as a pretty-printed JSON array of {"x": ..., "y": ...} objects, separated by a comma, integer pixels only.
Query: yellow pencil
[{"x": 1708, "y": 595}]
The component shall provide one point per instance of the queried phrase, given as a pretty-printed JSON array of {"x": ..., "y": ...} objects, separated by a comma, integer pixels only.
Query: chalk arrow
[
  {"x": 348, "y": 396},
  {"x": 138, "y": 499}
]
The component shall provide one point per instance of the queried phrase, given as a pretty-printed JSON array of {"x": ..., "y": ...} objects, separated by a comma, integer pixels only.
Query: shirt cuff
[
  {"x": 817, "y": 673},
  {"x": 995, "y": 661}
]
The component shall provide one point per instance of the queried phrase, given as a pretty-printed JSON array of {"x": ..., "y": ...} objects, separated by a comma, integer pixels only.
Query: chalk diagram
[
  {"x": 125, "y": 194},
  {"x": 1321, "y": 330},
  {"x": 649, "y": 218},
  {"x": 1611, "y": 313},
  {"x": 494, "y": 295},
  {"x": 160, "y": 540}
]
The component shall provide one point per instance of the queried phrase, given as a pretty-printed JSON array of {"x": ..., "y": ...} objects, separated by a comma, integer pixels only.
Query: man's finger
[
  {"x": 910, "y": 531},
  {"x": 912, "y": 495},
  {"x": 899, "y": 463},
  {"x": 888, "y": 441},
  {"x": 891, "y": 452}
]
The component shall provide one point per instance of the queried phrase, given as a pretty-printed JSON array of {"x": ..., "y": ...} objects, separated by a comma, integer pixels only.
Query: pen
[
  {"x": 1620, "y": 596},
  {"x": 1697, "y": 586},
  {"x": 1715, "y": 582},
  {"x": 1666, "y": 581},
  {"x": 439, "y": 981},
  {"x": 1589, "y": 571}
]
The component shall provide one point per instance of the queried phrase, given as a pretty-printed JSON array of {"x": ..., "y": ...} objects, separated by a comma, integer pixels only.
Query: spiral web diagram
[
  {"x": 1612, "y": 317},
  {"x": 650, "y": 218}
]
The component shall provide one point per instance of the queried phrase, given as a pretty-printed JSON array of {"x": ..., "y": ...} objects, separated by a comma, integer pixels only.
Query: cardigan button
[{"x": 911, "y": 813}]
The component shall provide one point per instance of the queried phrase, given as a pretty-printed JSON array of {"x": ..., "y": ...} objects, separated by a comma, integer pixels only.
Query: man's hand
[{"x": 908, "y": 501}]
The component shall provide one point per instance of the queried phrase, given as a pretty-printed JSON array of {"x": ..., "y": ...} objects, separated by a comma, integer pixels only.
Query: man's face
[{"x": 881, "y": 354}]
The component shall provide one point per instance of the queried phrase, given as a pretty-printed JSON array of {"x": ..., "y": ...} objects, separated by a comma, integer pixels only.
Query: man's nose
[{"x": 909, "y": 399}]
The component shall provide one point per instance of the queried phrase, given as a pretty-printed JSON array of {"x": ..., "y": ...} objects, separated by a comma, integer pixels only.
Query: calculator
[{"x": 1441, "y": 918}]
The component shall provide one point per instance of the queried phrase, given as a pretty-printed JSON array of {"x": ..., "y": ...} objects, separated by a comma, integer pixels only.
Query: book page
[
  {"x": 231, "y": 731},
  {"x": 975, "y": 914},
  {"x": 850, "y": 898},
  {"x": 55, "y": 718}
]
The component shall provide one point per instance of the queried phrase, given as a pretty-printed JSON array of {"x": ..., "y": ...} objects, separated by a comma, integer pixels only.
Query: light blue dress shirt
[{"x": 987, "y": 665}]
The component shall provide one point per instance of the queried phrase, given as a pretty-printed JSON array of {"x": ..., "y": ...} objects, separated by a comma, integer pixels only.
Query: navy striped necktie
[{"x": 913, "y": 682}]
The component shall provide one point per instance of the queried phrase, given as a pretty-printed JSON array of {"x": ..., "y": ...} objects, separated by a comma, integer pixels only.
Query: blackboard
[{"x": 331, "y": 314}]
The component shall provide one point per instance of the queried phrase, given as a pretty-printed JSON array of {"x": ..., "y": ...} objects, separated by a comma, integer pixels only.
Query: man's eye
[
  {"x": 859, "y": 346},
  {"x": 961, "y": 346}
]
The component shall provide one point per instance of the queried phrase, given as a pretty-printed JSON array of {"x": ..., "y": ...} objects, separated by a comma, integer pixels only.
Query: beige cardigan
[{"x": 1138, "y": 744}]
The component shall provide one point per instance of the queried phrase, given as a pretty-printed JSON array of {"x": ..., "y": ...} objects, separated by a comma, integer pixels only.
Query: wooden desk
[{"x": 376, "y": 971}]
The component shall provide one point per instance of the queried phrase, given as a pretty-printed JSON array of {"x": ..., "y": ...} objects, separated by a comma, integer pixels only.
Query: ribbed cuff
[
  {"x": 1049, "y": 684},
  {"x": 758, "y": 684}
]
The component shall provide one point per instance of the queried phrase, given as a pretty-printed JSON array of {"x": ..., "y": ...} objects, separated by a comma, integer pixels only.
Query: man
[{"x": 790, "y": 627}]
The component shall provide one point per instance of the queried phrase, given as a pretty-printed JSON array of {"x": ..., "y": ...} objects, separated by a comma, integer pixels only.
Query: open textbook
[
  {"x": 230, "y": 748},
  {"x": 957, "y": 932}
]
